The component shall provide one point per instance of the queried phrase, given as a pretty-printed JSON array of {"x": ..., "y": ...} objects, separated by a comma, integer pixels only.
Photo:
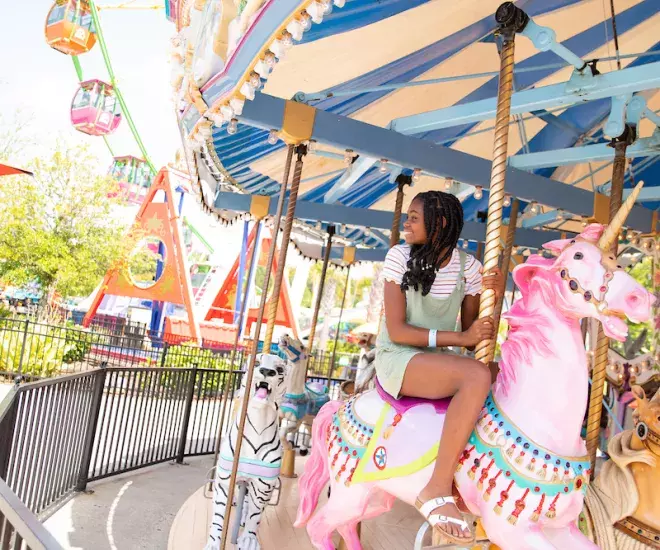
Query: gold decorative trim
[{"x": 639, "y": 531}]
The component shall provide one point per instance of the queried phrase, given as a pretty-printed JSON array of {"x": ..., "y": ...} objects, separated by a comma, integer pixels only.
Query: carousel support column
[
  {"x": 288, "y": 459},
  {"x": 301, "y": 151},
  {"x": 620, "y": 145},
  {"x": 506, "y": 262},
  {"x": 253, "y": 351},
  {"x": 259, "y": 208},
  {"x": 401, "y": 180},
  {"x": 341, "y": 312},
  {"x": 510, "y": 20},
  {"x": 319, "y": 295}
]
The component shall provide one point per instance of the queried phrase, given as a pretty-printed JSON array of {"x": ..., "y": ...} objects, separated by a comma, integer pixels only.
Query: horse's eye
[{"x": 578, "y": 256}]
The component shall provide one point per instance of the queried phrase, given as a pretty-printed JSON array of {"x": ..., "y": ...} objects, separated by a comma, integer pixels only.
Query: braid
[{"x": 427, "y": 258}]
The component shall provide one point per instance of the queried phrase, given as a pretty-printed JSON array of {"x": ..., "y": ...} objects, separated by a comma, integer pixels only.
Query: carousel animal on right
[{"x": 622, "y": 509}]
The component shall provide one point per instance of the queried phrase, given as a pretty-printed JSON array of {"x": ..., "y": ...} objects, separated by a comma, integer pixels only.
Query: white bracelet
[{"x": 433, "y": 335}]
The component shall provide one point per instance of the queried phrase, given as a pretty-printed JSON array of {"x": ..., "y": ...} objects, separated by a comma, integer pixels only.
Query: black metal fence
[
  {"x": 36, "y": 350},
  {"x": 19, "y": 528},
  {"x": 56, "y": 435}
]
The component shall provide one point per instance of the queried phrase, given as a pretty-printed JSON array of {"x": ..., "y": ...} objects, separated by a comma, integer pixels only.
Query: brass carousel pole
[
  {"x": 319, "y": 295},
  {"x": 510, "y": 20},
  {"x": 253, "y": 351},
  {"x": 232, "y": 357},
  {"x": 506, "y": 261},
  {"x": 395, "y": 235},
  {"x": 289, "y": 456},
  {"x": 620, "y": 145},
  {"x": 341, "y": 312},
  {"x": 301, "y": 151}
]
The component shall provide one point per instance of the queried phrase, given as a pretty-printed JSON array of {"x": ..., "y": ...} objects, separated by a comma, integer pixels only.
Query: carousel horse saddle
[{"x": 404, "y": 404}]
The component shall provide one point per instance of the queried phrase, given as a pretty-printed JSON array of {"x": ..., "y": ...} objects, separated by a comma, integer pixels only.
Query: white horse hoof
[{"x": 248, "y": 541}]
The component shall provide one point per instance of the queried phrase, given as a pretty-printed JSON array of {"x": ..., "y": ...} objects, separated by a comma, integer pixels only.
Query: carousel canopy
[{"x": 409, "y": 87}]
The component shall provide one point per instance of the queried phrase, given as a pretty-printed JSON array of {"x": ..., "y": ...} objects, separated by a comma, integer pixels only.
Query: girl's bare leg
[{"x": 467, "y": 382}]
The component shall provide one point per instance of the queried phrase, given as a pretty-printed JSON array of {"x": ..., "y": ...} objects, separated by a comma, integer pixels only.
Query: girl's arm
[
  {"x": 470, "y": 305},
  {"x": 402, "y": 333}
]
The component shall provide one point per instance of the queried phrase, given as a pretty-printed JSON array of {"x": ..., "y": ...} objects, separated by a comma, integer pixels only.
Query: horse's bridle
[
  {"x": 647, "y": 435},
  {"x": 609, "y": 263}
]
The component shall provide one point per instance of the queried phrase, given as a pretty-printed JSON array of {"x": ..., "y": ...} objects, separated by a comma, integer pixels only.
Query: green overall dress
[{"x": 428, "y": 312}]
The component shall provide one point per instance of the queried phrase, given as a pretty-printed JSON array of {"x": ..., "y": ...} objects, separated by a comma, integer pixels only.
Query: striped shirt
[{"x": 446, "y": 278}]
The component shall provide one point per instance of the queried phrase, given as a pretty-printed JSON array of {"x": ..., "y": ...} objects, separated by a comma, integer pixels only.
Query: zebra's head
[{"x": 269, "y": 380}]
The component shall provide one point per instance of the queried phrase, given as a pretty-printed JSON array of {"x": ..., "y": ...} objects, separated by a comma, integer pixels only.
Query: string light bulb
[
  {"x": 534, "y": 207},
  {"x": 272, "y": 137},
  {"x": 478, "y": 192},
  {"x": 416, "y": 175},
  {"x": 255, "y": 80},
  {"x": 507, "y": 201},
  {"x": 305, "y": 21},
  {"x": 383, "y": 166},
  {"x": 449, "y": 183},
  {"x": 232, "y": 127},
  {"x": 348, "y": 156},
  {"x": 270, "y": 59}
]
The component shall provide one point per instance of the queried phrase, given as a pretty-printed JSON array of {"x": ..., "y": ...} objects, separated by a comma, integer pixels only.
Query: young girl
[{"x": 428, "y": 284}]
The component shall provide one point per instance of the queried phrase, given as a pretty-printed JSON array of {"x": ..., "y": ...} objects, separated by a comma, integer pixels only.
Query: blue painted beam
[
  {"x": 345, "y": 133},
  {"x": 647, "y": 194},
  {"x": 543, "y": 219},
  {"x": 578, "y": 89},
  {"x": 644, "y": 147},
  {"x": 373, "y": 219}
]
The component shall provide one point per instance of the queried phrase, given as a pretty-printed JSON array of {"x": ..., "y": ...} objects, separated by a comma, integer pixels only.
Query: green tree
[{"x": 59, "y": 228}]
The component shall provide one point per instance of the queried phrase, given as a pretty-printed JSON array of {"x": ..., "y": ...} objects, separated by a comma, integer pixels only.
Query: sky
[{"x": 40, "y": 82}]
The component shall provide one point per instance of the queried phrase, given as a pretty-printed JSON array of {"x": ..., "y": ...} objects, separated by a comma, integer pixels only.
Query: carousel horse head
[
  {"x": 268, "y": 381},
  {"x": 647, "y": 419},
  {"x": 584, "y": 280},
  {"x": 292, "y": 348}
]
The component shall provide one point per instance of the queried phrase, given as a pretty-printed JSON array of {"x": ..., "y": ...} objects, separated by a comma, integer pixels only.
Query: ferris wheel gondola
[
  {"x": 95, "y": 109},
  {"x": 70, "y": 27}
]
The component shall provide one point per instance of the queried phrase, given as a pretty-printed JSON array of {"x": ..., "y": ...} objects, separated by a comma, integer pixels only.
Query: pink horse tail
[{"x": 316, "y": 473}]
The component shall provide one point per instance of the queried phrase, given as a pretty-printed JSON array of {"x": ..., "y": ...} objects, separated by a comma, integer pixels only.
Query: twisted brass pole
[
  {"x": 506, "y": 261},
  {"x": 253, "y": 351},
  {"x": 232, "y": 356},
  {"x": 486, "y": 348},
  {"x": 341, "y": 312},
  {"x": 301, "y": 151},
  {"x": 395, "y": 234},
  {"x": 600, "y": 357},
  {"x": 319, "y": 296}
]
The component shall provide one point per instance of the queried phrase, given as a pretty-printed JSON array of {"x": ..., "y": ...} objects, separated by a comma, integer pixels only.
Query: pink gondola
[
  {"x": 133, "y": 178},
  {"x": 95, "y": 109}
]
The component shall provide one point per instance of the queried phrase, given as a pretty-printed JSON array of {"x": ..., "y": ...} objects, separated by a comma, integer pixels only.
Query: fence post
[
  {"x": 186, "y": 417},
  {"x": 163, "y": 355},
  {"x": 20, "y": 360},
  {"x": 7, "y": 426},
  {"x": 90, "y": 433}
]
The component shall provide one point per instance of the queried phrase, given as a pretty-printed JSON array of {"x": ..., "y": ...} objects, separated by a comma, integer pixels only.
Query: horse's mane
[{"x": 528, "y": 326}]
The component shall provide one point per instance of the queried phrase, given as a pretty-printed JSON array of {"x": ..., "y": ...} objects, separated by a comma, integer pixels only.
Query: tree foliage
[{"x": 58, "y": 228}]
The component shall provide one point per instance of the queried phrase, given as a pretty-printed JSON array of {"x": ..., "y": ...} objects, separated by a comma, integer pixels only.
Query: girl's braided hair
[{"x": 426, "y": 259}]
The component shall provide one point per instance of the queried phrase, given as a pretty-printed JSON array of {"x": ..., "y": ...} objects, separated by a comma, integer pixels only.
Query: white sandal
[{"x": 436, "y": 521}]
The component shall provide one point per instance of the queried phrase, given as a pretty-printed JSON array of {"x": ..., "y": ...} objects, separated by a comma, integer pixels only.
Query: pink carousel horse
[{"x": 525, "y": 468}]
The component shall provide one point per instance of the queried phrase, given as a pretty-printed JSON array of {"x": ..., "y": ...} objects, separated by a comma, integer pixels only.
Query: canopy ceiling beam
[
  {"x": 581, "y": 87},
  {"x": 644, "y": 147},
  {"x": 373, "y": 219},
  {"x": 267, "y": 112}
]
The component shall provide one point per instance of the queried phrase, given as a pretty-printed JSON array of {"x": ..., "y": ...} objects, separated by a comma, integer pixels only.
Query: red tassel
[
  {"x": 520, "y": 506},
  {"x": 491, "y": 486},
  {"x": 484, "y": 475},
  {"x": 539, "y": 509},
  {"x": 552, "y": 512},
  {"x": 473, "y": 471},
  {"x": 504, "y": 496},
  {"x": 464, "y": 457}
]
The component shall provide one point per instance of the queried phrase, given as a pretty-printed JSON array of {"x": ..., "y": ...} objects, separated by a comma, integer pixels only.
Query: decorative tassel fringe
[
  {"x": 511, "y": 450},
  {"x": 491, "y": 485},
  {"x": 531, "y": 465},
  {"x": 519, "y": 458},
  {"x": 543, "y": 471},
  {"x": 520, "y": 506},
  {"x": 552, "y": 512},
  {"x": 539, "y": 509},
  {"x": 504, "y": 496}
]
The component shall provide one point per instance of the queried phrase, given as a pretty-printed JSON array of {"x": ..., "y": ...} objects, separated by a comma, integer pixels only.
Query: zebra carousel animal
[
  {"x": 261, "y": 455},
  {"x": 302, "y": 400},
  {"x": 623, "y": 504}
]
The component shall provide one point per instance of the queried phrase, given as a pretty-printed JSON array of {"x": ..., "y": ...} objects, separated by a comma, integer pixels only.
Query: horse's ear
[
  {"x": 523, "y": 274},
  {"x": 638, "y": 392}
]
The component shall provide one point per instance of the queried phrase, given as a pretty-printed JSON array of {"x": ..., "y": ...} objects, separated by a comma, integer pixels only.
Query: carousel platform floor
[{"x": 394, "y": 530}]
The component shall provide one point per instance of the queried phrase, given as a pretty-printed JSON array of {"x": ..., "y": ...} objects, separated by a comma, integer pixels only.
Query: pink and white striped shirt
[{"x": 446, "y": 278}]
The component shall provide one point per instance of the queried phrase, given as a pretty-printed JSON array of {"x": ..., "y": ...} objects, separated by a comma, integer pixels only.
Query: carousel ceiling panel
[
  {"x": 370, "y": 43},
  {"x": 340, "y": 58}
]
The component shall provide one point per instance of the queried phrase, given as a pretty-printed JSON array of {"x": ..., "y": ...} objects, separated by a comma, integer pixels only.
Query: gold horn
[{"x": 611, "y": 234}]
